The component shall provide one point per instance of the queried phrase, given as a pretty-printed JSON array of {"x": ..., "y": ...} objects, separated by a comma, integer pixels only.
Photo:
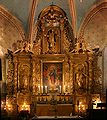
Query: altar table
[{"x": 54, "y": 110}]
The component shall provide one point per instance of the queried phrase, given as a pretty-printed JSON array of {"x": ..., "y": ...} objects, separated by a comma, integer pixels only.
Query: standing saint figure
[{"x": 51, "y": 40}]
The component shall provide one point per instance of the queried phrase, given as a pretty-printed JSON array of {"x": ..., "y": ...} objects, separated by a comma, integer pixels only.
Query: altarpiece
[{"x": 57, "y": 64}]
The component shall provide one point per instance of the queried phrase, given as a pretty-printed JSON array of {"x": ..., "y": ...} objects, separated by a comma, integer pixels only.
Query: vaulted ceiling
[
  {"x": 21, "y": 9},
  {"x": 26, "y": 13}
]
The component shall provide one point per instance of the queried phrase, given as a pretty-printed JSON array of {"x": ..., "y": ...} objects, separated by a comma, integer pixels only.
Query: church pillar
[
  {"x": 73, "y": 87},
  {"x": 16, "y": 83},
  {"x": 43, "y": 42},
  {"x": 71, "y": 75},
  {"x": 89, "y": 81},
  {"x": 11, "y": 97}
]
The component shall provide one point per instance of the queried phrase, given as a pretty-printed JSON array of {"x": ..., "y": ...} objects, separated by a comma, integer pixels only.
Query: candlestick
[
  {"x": 46, "y": 90},
  {"x": 41, "y": 89}
]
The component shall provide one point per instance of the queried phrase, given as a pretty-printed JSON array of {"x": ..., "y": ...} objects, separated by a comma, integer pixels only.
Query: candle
[
  {"x": 46, "y": 90},
  {"x": 59, "y": 89},
  {"x": 64, "y": 89},
  {"x": 41, "y": 89}
]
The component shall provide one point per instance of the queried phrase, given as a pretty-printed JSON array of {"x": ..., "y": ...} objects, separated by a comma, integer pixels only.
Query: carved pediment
[{"x": 54, "y": 33}]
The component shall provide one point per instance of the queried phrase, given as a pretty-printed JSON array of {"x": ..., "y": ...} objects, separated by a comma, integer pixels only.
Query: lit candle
[
  {"x": 59, "y": 89},
  {"x": 64, "y": 89},
  {"x": 46, "y": 90},
  {"x": 41, "y": 89}
]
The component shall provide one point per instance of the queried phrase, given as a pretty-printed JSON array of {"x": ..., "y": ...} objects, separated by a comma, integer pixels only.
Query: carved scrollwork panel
[
  {"x": 36, "y": 74},
  {"x": 10, "y": 73}
]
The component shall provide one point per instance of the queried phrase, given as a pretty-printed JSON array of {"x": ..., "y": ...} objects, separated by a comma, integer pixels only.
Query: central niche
[
  {"x": 52, "y": 40},
  {"x": 51, "y": 23}
]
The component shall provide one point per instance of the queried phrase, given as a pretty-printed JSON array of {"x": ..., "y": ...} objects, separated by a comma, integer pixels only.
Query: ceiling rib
[
  {"x": 73, "y": 14},
  {"x": 31, "y": 19}
]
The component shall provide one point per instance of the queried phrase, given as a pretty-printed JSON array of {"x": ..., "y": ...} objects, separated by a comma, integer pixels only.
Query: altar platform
[{"x": 58, "y": 117}]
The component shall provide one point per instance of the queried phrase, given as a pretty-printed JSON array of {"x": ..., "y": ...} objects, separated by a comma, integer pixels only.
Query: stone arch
[
  {"x": 94, "y": 23},
  {"x": 11, "y": 29}
]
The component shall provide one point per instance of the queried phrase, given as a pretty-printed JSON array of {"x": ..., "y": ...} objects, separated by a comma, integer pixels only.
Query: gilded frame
[{"x": 46, "y": 62}]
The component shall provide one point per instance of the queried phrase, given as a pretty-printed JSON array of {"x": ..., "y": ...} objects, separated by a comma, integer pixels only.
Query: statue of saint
[
  {"x": 23, "y": 79},
  {"x": 51, "y": 41},
  {"x": 80, "y": 77}
]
